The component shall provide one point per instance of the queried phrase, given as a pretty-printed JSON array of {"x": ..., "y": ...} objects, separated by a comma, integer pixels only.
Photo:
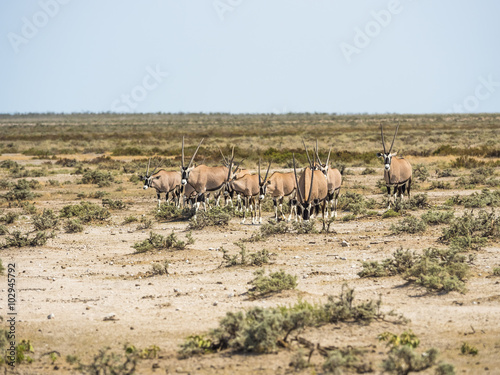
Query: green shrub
[
  {"x": 348, "y": 359},
  {"x": 9, "y": 217},
  {"x": 169, "y": 211},
  {"x": 466, "y": 162},
  {"x": 73, "y": 226},
  {"x": 21, "y": 191},
  {"x": 130, "y": 219},
  {"x": 106, "y": 362},
  {"x": 159, "y": 242},
  {"x": 496, "y": 271},
  {"x": 258, "y": 258},
  {"x": 114, "y": 204},
  {"x": 2, "y": 269},
  {"x": 102, "y": 179},
  {"x": 46, "y": 220},
  {"x": 407, "y": 338},
  {"x": 216, "y": 216},
  {"x": 85, "y": 211},
  {"x": 403, "y": 360},
  {"x": 145, "y": 223},
  {"x": 437, "y": 217},
  {"x": 195, "y": 345},
  {"x": 420, "y": 172},
  {"x": 483, "y": 199},
  {"x": 17, "y": 239},
  {"x": 409, "y": 224},
  {"x": 401, "y": 261},
  {"x": 28, "y": 208},
  {"x": 419, "y": 201},
  {"x": 390, "y": 213},
  {"x": 440, "y": 185},
  {"x": 353, "y": 202},
  {"x": 471, "y": 232},
  {"x": 274, "y": 283},
  {"x": 467, "y": 348},
  {"x": 368, "y": 170},
  {"x": 304, "y": 227},
  {"x": 160, "y": 268}
]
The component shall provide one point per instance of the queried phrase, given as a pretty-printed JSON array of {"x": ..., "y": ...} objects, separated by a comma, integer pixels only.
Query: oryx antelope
[
  {"x": 279, "y": 186},
  {"x": 397, "y": 171},
  {"x": 312, "y": 189},
  {"x": 334, "y": 180},
  {"x": 251, "y": 188},
  {"x": 202, "y": 178},
  {"x": 229, "y": 195},
  {"x": 163, "y": 182}
]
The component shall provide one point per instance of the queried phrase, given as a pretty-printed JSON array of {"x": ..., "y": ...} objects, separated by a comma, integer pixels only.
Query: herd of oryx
[{"x": 315, "y": 188}]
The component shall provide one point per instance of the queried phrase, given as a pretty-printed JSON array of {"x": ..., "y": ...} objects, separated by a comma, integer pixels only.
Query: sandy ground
[{"x": 83, "y": 278}]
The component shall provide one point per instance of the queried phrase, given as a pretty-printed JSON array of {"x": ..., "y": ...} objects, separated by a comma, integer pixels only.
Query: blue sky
[{"x": 242, "y": 56}]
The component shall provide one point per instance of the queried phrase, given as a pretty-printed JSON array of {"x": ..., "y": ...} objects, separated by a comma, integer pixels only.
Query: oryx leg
[
  {"x": 335, "y": 200},
  {"x": 275, "y": 204},
  {"x": 323, "y": 209},
  {"x": 159, "y": 199},
  {"x": 245, "y": 199},
  {"x": 260, "y": 211},
  {"x": 408, "y": 188}
]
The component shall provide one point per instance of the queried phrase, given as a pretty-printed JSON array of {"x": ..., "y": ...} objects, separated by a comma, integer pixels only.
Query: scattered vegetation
[
  {"x": 159, "y": 242},
  {"x": 160, "y": 268},
  {"x": 420, "y": 172},
  {"x": 276, "y": 282},
  {"x": 468, "y": 349},
  {"x": 113, "y": 204},
  {"x": 258, "y": 258},
  {"x": 169, "y": 211},
  {"x": 97, "y": 177},
  {"x": 216, "y": 216},
  {"x": 433, "y": 217},
  {"x": 18, "y": 239},
  {"x": 46, "y": 220},
  {"x": 73, "y": 226},
  {"x": 21, "y": 191},
  {"x": 86, "y": 212},
  {"x": 409, "y": 224}
]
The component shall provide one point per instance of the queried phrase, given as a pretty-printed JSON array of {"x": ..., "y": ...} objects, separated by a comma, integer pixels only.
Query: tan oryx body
[
  {"x": 397, "y": 171},
  {"x": 163, "y": 182},
  {"x": 312, "y": 189},
  {"x": 279, "y": 186},
  {"x": 202, "y": 178},
  {"x": 334, "y": 180},
  {"x": 251, "y": 188}
]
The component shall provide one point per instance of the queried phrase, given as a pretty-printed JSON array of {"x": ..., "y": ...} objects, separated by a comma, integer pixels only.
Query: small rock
[
  {"x": 216, "y": 303},
  {"x": 344, "y": 243},
  {"x": 111, "y": 263},
  {"x": 110, "y": 316},
  {"x": 51, "y": 316},
  {"x": 176, "y": 290}
]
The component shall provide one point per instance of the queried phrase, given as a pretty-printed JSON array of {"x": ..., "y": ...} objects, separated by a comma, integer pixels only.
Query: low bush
[
  {"x": 46, "y": 220},
  {"x": 97, "y": 177},
  {"x": 9, "y": 217},
  {"x": 18, "y": 239},
  {"x": 409, "y": 224},
  {"x": 468, "y": 349},
  {"x": 73, "y": 226},
  {"x": 401, "y": 261},
  {"x": 160, "y": 268},
  {"x": 276, "y": 282},
  {"x": 86, "y": 212},
  {"x": 22, "y": 191},
  {"x": 390, "y": 213},
  {"x": 216, "y": 216},
  {"x": 113, "y": 204},
  {"x": 420, "y": 172},
  {"x": 159, "y": 242},
  {"x": 433, "y": 217},
  {"x": 169, "y": 211}
]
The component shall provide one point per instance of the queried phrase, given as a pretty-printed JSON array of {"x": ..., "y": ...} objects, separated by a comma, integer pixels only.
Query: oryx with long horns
[
  {"x": 251, "y": 188},
  {"x": 202, "y": 178},
  {"x": 334, "y": 179},
  {"x": 313, "y": 185},
  {"x": 163, "y": 182},
  {"x": 279, "y": 186},
  {"x": 397, "y": 171}
]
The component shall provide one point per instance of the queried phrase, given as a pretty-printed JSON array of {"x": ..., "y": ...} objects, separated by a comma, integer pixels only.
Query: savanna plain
[{"x": 107, "y": 282}]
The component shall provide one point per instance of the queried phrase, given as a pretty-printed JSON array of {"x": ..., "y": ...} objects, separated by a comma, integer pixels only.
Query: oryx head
[
  {"x": 263, "y": 183},
  {"x": 323, "y": 167},
  {"x": 147, "y": 177},
  {"x": 305, "y": 207},
  {"x": 387, "y": 155},
  {"x": 185, "y": 170}
]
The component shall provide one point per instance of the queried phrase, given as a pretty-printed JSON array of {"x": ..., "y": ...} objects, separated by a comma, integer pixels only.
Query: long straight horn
[
  {"x": 383, "y": 141},
  {"x": 160, "y": 162},
  {"x": 307, "y": 152},
  {"x": 192, "y": 158},
  {"x": 182, "y": 151},
  {"x": 260, "y": 178},
  {"x": 317, "y": 153},
  {"x": 394, "y": 138},
  {"x": 230, "y": 167},
  {"x": 147, "y": 171},
  {"x": 267, "y": 173},
  {"x": 328, "y": 158},
  {"x": 310, "y": 187},
  {"x": 223, "y": 157},
  {"x": 232, "y": 153},
  {"x": 296, "y": 180}
]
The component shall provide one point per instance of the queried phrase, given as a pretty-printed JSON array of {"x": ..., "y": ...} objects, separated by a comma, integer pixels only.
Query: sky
[{"x": 242, "y": 56}]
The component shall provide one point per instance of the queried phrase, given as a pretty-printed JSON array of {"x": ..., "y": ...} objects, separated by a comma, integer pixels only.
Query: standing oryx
[
  {"x": 334, "y": 179},
  {"x": 397, "y": 172},
  {"x": 202, "y": 178},
  {"x": 163, "y": 182},
  {"x": 251, "y": 187},
  {"x": 313, "y": 185},
  {"x": 281, "y": 185}
]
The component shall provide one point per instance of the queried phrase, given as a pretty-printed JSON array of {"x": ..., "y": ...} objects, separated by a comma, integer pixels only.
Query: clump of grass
[
  {"x": 97, "y": 177},
  {"x": 114, "y": 204},
  {"x": 216, "y": 216},
  {"x": 145, "y": 223},
  {"x": 496, "y": 271},
  {"x": 160, "y": 268},
  {"x": 444, "y": 173},
  {"x": 258, "y": 258},
  {"x": 28, "y": 208},
  {"x": 441, "y": 185},
  {"x": 390, "y": 213},
  {"x": 368, "y": 170},
  {"x": 433, "y": 217},
  {"x": 276, "y": 282},
  {"x": 107, "y": 362},
  {"x": 348, "y": 358},
  {"x": 169, "y": 211},
  {"x": 419, "y": 201},
  {"x": 9, "y": 217},
  {"x": 46, "y": 220},
  {"x": 407, "y": 338},
  {"x": 3, "y": 230},
  {"x": 86, "y": 212},
  {"x": 269, "y": 229},
  {"x": 130, "y": 219},
  {"x": 261, "y": 330},
  {"x": 471, "y": 232},
  {"x": 22, "y": 191},
  {"x": 403, "y": 360},
  {"x": 468, "y": 349},
  {"x": 401, "y": 261},
  {"x": 304, "y": 227},
  {"x": 486, "y": 198},
  {"x": 420, "y": 172},
  {"x": 409, "y": 224},
  {"x": 159, "y": 242},
  {"x": 18, "y": 239},
  {"x": 467, "y": 162},
  {"x": 73, "y": 226},
  {"x": 355, "y": 203}
]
